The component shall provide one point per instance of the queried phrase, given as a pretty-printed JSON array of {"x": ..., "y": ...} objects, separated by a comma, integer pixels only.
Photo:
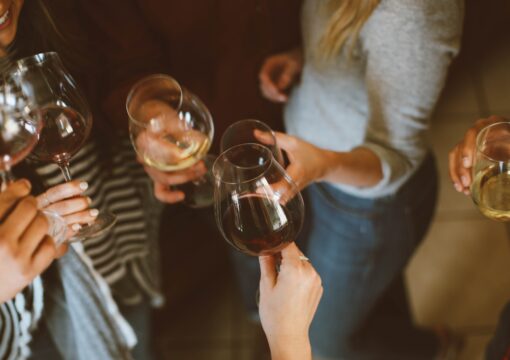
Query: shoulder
[
  {"x": 427, "y": 15},
  {"x": 401, "y": 23}
]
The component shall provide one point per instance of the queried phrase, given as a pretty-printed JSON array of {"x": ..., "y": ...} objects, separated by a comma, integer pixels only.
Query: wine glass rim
[
  {"x": 482, "y": 133},
  {"x": 237, "y": 123},
  {"x": 36, "y": 59},
  {"x": 144, "y": 80},
  {"x": 267, "y": 162}
]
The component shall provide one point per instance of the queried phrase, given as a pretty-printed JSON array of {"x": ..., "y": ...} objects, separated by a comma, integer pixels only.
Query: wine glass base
[{"x": 103, "y": 223}]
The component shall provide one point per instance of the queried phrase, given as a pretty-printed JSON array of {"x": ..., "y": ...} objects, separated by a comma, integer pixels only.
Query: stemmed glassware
[
  {"x": 490, "y": 189},
  {"x": 19, "y": 132},
  {"x": 258, "y": 207},
  {"x": 251, "y": 131},
  {"x": 171, "y": 129},
  {"x": 65, "y": 117}
]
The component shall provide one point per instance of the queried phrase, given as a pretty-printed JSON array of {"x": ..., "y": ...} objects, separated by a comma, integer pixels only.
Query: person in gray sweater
[{"x": 362, "y": 89}]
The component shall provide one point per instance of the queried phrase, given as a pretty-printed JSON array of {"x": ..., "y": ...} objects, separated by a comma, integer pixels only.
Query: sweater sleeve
[{"x": 409, "y": 46}]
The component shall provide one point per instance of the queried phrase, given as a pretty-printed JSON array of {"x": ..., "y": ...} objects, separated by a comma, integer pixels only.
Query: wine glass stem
[
  {"x": 6, "y": 179},
  {"x": 64, "y": 167}
]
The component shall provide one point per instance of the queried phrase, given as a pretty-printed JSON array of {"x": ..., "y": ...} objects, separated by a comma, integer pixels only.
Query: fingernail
[
  {"x": 84, "y": 185},
  {"x": 94, "y": 212},
  {"x": 465, "y": 162},
  {"x": 457, "y": 187},
  {"x": 467, "y": 192},
  {"x": 76, "y": 227},
  {"x": 465, "y": 180}
]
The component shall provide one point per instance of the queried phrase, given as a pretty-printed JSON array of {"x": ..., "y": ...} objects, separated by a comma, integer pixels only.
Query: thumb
[{"x": 268, "y": 273}]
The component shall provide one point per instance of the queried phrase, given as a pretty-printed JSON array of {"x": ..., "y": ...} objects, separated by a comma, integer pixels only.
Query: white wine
[
  {"x": 491, "y": 192},
  {"x": 171, "y": 154}
]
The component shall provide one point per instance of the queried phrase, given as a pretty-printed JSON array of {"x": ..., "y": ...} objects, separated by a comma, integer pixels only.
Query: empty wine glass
[
  {"x": 490, "y": 189},
  {"x": 65, "y": 117},
  {"x": 171, "y": 129},
  {"x": 258, "y": 207},
  {"x": 19, "y": 132},
  {"x": 250, "y": 131}
]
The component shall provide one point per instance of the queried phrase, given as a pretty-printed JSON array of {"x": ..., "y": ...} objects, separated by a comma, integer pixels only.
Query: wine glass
[
  {"x": 258, "y": 207},
  {"x": 171, "y": 129},
  {"x": 246, "y": 131},
  {"x": 65, "y": 116},
  {"x": 19, "y": 132},
  {"x": 490, "y": 189}
]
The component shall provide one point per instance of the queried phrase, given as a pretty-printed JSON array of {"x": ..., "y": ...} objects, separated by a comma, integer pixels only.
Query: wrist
[
  {"x": 290, "y": 347},
  {"x": 330, "y": 162}
]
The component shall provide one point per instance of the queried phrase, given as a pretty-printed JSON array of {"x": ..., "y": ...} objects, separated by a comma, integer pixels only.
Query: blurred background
[{"x": 460, "y": 276}]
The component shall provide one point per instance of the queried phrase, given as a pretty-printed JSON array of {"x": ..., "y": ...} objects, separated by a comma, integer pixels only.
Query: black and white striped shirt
[{"x": 127, "y": 253}]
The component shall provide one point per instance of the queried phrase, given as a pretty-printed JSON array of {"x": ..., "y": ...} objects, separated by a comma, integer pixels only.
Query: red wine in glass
[
  {"x": 252, "y": 229},
  {"x": 63, "y": 133}
]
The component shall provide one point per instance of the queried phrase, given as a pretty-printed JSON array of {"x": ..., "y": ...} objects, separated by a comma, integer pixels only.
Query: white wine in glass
[
  {"x": 490, "y": 189},
  {"x": 171, "y": 130}
]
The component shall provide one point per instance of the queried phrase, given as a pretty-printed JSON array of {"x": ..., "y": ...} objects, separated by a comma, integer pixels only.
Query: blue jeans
[{"x": 360, "y": 247}]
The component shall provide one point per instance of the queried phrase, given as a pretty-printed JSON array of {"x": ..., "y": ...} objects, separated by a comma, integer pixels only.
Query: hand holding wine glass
[
  {"x": 68, "y": 201},
  {"x": 25, "y": 248},
  {"x": 490, "y": 189},
  {"x": 253, "y": 215},
  {"x": 66, "y": 119},
  {"x": 19, "y": 132},
  {"x": 462, "y": 156},
  {"x": 171, "y": 131},
  {"x": 288, "y": 301}
]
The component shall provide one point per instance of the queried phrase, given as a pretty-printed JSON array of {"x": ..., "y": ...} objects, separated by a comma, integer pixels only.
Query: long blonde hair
[{"x": 345, "y": 23}]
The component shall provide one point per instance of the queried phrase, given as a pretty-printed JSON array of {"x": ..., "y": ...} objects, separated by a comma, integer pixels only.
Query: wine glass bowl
[
  {"x": 250, "y": 131},
  {"x": 61, "y": 107},
  {"x": 490, "y": 189},
  {"x": 171, "y": 129},
  {"x": 19, "y": 133},
  {"x": 64, "y": 116},
  {"x": 258, "y": 208}
]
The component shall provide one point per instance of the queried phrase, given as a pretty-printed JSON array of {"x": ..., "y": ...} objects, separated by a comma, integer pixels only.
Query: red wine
[
  {"x": 257, "y": 225},
  {"x": 64, "y": 132}
]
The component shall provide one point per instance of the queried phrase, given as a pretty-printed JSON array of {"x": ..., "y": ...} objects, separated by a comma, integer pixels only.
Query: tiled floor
[{"x": 460, "y": 276}]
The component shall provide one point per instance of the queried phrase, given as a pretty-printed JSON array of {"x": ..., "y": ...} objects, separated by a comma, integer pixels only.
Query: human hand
[
  {"x": 461, "y": 157},
  {"x": 25, "y": 248},
  {"x": 307, "y": 162},
  {"x": 164, "y": 181},
  {"x": 68, "y": 201},
  {"x": 278, "y": 73},
  {"x": 288, "y": 301},
  {"x": 153, "y": 146}
]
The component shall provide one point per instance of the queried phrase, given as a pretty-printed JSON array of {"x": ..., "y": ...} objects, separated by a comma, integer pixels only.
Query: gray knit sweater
[{"x": 381, "y": 98}]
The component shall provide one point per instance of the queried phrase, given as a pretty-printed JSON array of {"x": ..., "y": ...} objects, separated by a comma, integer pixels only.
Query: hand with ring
[
  {"x": 288, "y": 301},
  {"x": 68, "y": 200}
]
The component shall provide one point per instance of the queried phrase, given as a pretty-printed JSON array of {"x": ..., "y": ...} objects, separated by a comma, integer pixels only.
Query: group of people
[{"x": 358, "y": 81}]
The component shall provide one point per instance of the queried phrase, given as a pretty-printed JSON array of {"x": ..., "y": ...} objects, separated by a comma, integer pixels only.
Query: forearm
[
  {"x": 291, "y": 349},
  {"x": 359, "y": 167}
]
